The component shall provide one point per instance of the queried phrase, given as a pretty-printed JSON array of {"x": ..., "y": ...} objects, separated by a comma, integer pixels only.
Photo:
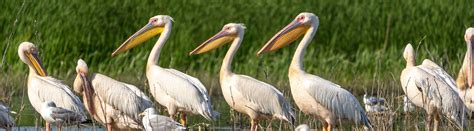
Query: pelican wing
[
  {"x": 440, "y": 94},
  {"x": 263, "y": 97},
  {"x": 201, "y": 88},
  {"x": 158, "y": 122},
  {"x": 188, "y": 93},
  {"x": 438, "y": 72},
  {"x": 146, "y": 101},
  {"x": 338, "y": 100},
  {"x": 52, "y": 89},
  {"x": 119, "y": 95}
]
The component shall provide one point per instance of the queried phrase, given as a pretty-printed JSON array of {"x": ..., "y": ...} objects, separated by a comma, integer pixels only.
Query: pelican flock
[
  {"x": 117, "y": 105},
  {"x": 175, "y": 90},
  {"x": 314, "y": 95},
  {"x": 428, "y": 86},
  {"x": 245, "y": 94}
]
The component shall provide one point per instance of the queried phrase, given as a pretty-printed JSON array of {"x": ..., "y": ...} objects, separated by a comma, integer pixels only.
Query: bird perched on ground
[
  {"x": 60, "y": 116},
  {"x": 154, "y": 122},
  {"x": 374, "y": 104},
  {"x": 372, "y": 100},
  {"x": 6, "y": 121}
]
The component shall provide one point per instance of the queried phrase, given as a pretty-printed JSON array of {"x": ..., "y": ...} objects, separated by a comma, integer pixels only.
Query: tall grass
[{"x": 359, "y": 44}]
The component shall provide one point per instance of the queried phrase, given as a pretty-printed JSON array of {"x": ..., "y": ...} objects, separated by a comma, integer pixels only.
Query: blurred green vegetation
[{"x": 359, "y": 43}]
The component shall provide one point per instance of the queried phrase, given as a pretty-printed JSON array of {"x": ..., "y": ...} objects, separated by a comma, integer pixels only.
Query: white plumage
[
  {"x": 465, "y": 80},
  {"x": 315, "y": 96},
  {"x": 429, "y": 87},
  {"x": 407, "y": 105},
  {"x": 154, "y": 122},
  {"x": 302, "y": 127},
  {"x": 57, "y": 115},
  {"x": 175, "y": 90},
  {"x": 113, "y": 103},
  {"x": 245, "y": 94},
  {"x": 42, "y": 88}
]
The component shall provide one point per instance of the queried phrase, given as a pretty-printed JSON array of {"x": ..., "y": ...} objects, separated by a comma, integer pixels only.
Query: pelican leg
[
  {"x": 329, "y": 127},
  {"x": 428, "y": 122},
  {"x": 254, "y": 125},
  {"x": 436, "y": 122},
  {"x": 325, "y": 126},
  {"x": 109, "y": 126},
  {"x": 47, "y": 126},
  {"x": 183, "y": 119},
  {"x": 59, "y": 127}
]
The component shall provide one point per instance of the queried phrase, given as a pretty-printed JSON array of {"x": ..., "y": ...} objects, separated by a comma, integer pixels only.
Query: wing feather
[
  {"x": 264, "y": 97},
  {"x": 439, "y": 88},
  {"x": 188, "y": 92},
  {"x": 340, "y": 101},
  {"x": 52, "y": 89},
  {"x": 120, "y": 96}
]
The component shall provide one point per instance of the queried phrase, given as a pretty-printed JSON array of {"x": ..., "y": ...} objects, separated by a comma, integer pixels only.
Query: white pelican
[
  {"x": 175, "y": 90},
  {"x": 42, "y": 88},
  {"x": 6, "y": 121},
  {"x": 465, "y": 78},
  {"x": 59, "y": 116},
  {"x": 114, "y": 104},
  {"x": 314, "y": 95},
  {"x": 428, "y": 86},
  {"x": 245, "y": 94},
  {"x": 153, "y": 122}
]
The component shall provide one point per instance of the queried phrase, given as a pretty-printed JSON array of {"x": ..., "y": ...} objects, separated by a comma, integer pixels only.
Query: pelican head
[
  {"x": 81, "y": 80},
  {"x": 409, "y": 54},
  {"x": 155, "y": 26},
  {"x": 228, "y": 33},
  {"x": 299, "y": 26},
  {"x": 469, "y": 38},
  {"x": 29, "y": 55},
  {"x": 83, "y": 86}
]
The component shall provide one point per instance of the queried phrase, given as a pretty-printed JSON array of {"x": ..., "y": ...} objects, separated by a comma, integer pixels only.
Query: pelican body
[
  {"x": 6, "y": 121},
  {"x": 314, "y": 95},
  {"x": 465, "y": 78},
  {"x": 42, "y": 88},
  {"x": 243, "y": 93},
  {"x": 175, "y": 90},
  {"x": 114, "y": 104},
  {"x": 428, "y": 86}
]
